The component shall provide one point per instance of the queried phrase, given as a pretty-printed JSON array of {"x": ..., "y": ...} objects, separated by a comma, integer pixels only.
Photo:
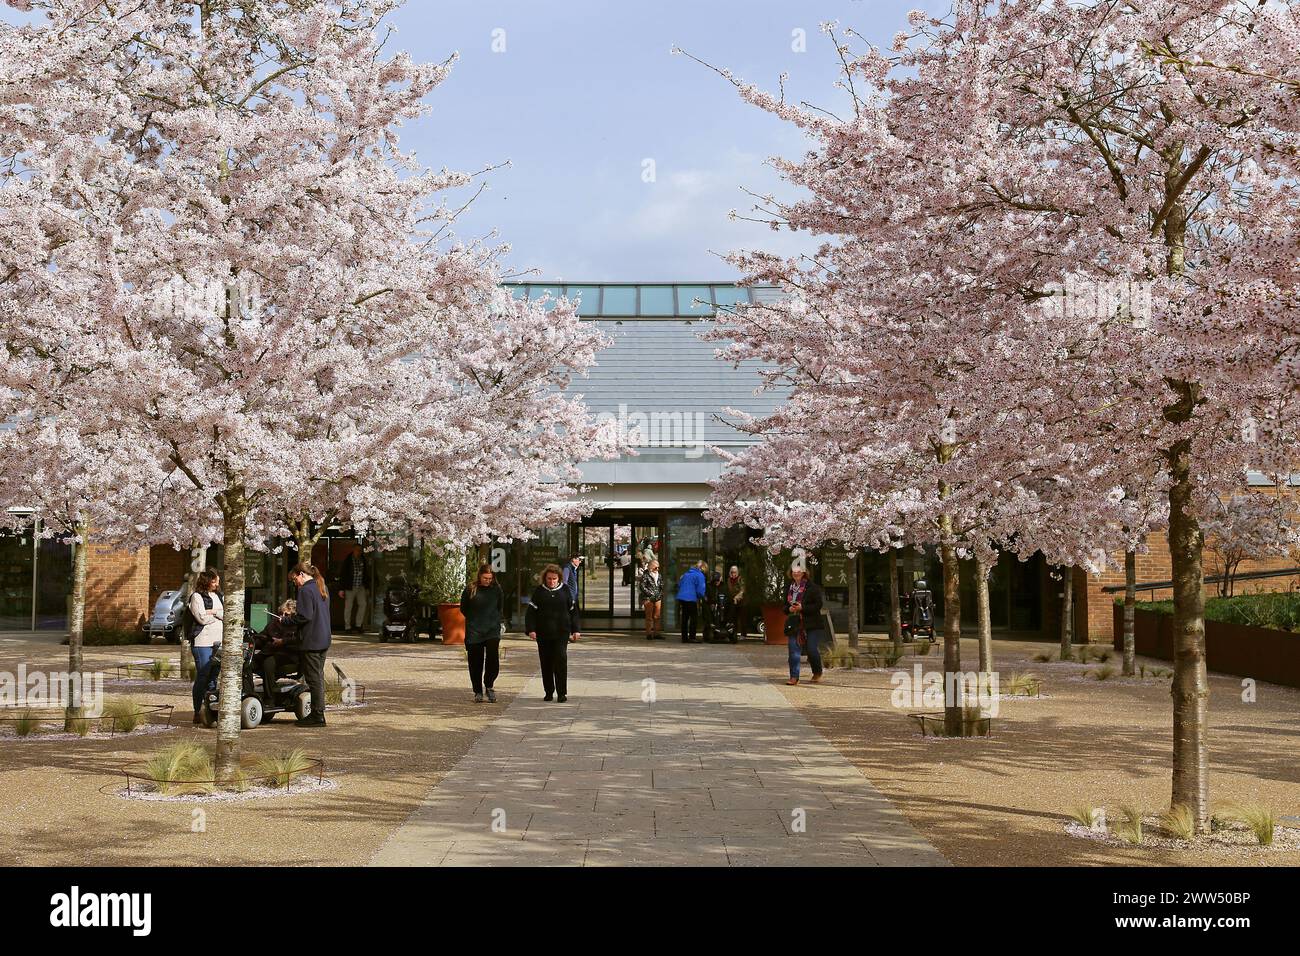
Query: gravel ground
[
  {"x": 59, "y": 796},
  {"x": 1005, "y": 800},
  {"x": 1002, "y": 800}
]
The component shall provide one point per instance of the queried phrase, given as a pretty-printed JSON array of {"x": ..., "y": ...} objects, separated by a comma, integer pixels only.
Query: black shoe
[
  {"x": 685, "y": 641},
  {"x": 312, "y": 720},
  {"x": 491, "y": 696},
  {"x": 547, "y": 698},
  {"x": 563, "y": 699}
]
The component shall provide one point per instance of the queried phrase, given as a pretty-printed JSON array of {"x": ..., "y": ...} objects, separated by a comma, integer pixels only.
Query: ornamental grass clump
[
  {"x": 1129, "y": 829},
  {"x": 123, "y": 715},
  {"x": 1086, "y": 816},
  {"x": 180, "y": 768},
  {"x": 27, "y": 723},
  {"x": 279, "y": 770},
  {"x": 1179, "y": 822},
  {"x": 1024, "y": 685},
  {"x": 1261, "y": 820}
]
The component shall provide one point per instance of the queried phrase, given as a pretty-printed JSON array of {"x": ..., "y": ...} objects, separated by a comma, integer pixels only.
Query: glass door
[{"x": 598, "y": 568}]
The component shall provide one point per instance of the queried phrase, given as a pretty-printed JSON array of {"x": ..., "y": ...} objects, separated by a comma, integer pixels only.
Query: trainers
[
  {"x": 478, "y": 698},
  {"x": 492, "y": 696}
]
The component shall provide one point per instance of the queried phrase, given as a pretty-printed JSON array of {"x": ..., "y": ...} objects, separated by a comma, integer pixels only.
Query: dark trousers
[
  {"x": 313, "y": 672},
  {"x": 484, "y": 664},
  {"x": 687, "y": 610},
  {"x": 554, "y": 655}
]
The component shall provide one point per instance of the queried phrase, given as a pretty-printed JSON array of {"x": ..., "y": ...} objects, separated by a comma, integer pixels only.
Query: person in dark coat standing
[
  {"x": 482, "y": 603},
  {"x": 313, "y": 619},
  {"x": 552, "y": 621},
  {"x": 804, "y": 598}
]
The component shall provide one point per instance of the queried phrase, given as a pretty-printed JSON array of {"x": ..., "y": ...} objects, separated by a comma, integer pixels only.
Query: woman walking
[
  {"x": 313, "y": 620},
  {"x": 206, "y": 610},
  {"x": 482, "y": 603},
  {"x": 552, "y": 621},
  {"x": 652, "y": 600},
  {"x": 803, "y": 598}
]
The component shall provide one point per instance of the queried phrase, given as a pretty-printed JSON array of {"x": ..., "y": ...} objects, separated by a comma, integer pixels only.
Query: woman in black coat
[
  {"x": 552, "y": 621},
  {"x": 482, "y": 604}
]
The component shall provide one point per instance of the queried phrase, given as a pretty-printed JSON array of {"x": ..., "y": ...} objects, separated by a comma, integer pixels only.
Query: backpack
[{"x": 189, "y": 624}]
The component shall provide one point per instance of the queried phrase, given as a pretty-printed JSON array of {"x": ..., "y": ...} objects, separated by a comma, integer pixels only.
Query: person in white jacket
[{"x": 205, "y": 633}]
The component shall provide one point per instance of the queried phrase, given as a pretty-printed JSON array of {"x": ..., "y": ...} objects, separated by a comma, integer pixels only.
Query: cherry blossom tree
[
  {"x": 79, "y": 486},
  {"x": 268, "y": 290},
  {"x": 1129, "y": 169}
]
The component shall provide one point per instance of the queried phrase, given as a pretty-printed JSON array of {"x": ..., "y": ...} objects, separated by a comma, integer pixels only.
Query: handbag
[{"x": 793, "y": 625}]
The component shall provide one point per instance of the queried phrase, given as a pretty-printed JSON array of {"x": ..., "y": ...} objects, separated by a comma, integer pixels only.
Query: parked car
[{"x": 165, "y": 621}]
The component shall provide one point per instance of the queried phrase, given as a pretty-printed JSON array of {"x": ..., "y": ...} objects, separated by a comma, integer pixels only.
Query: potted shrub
[
  {"x": 443, "y": 576},
  {"x": 764, "y": 575}
]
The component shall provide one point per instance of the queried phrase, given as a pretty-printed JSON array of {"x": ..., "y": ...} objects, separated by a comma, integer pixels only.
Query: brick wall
[
  {"x": 167, "y": 569},
  {"x": 1156, "y": 566},
  {"x": 117, "y": 587}
]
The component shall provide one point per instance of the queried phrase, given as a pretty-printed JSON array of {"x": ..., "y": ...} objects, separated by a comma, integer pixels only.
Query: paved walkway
[{"x": 664, "y": 755}]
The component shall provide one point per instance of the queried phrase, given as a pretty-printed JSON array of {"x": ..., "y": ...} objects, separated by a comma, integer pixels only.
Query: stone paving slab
[{"x": 717, "y": 770}]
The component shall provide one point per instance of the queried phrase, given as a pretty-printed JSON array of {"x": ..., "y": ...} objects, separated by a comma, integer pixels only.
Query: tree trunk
[
  {"x": 75, "y": 710},
  {"x": 985, "y": 620},
  {"x": 853, "y": 599},
  {"x": 895, "y": 612},
  {"x": 1190, "y": 690},
  {"x": 952, "y": 711},
  {"x": 1067, "y": 614},
  {"x": 306, "y": 534},
  {"x": 1130, "y": 605},
  {"x": 235, "y": 516}
]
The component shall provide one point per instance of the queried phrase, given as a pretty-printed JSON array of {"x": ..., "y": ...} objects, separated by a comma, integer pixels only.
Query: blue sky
[{"x": 586, "y": 91}]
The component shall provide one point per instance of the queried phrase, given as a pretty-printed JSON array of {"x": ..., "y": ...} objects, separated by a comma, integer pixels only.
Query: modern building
[{"x": 659, "y": 376}]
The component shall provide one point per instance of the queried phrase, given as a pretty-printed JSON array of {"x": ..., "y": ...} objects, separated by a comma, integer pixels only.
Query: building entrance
[{"x": 615, "y": 550}]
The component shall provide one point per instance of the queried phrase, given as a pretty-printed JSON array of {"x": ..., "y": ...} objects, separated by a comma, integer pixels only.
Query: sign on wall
[
  {"x": 539, "y": 556},
  {"x": 254, "y": 569},
  {"x": 835, "y": 568},
  {"x": 683, "y": 558}
]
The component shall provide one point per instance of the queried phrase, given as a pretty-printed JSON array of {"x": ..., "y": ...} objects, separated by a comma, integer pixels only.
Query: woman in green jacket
[{"x": 483, "y": 603}]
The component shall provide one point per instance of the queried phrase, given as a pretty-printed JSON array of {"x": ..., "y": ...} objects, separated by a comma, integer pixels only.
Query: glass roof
[{"x": 617, "y": 300}]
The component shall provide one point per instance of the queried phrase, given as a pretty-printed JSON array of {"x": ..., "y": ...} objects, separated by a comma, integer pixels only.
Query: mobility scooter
[{"x": 258, "y": 703}]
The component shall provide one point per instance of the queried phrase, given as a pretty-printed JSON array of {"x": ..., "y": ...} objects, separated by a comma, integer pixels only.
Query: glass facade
[{"x": 35, "y": 582}]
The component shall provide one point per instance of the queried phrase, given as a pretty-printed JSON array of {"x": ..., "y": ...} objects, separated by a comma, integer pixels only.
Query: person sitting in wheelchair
[{"x": 277, "y": 649}]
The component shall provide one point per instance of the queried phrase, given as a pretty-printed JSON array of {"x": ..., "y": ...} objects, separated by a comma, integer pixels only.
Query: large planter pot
[
  {"x": 452, "y": 622},
  {"x": 774, "y": 623}
]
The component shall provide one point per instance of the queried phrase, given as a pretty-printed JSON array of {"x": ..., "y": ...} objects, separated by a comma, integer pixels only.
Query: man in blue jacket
[{"x": 690, "y": 592}]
